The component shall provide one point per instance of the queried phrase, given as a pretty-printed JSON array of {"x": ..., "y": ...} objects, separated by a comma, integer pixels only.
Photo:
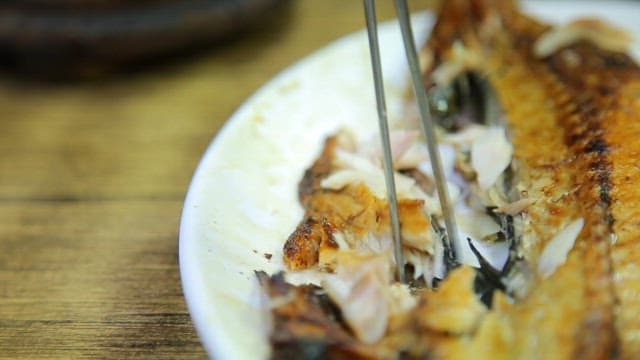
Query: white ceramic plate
[{"x": 242, "y": 202}]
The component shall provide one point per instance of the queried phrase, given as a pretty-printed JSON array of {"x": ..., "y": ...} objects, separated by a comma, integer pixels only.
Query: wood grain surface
[{"x": 92, "y": 181}]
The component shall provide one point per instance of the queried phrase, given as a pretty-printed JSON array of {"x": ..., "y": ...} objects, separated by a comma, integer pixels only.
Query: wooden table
[{"x": 92, "y": 181}]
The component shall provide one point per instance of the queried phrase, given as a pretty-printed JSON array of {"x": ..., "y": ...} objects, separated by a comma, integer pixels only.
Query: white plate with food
[{"x": 243, "y": 202}]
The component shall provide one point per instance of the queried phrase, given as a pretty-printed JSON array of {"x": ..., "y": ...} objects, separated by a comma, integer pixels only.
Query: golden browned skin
[
  {"x": 625, "y": 209},
  {"x": 353, "y": 210},
  {"x": 574, "y": 118}
]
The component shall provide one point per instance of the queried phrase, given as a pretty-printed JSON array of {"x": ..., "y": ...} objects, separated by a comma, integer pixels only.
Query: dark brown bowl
[{"x": 83, "y": 38}]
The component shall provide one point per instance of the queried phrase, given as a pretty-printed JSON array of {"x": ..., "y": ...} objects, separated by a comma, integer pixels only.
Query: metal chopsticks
[
  {"x": 427, "y": 128},
  {"x": 372, "y": 31}
]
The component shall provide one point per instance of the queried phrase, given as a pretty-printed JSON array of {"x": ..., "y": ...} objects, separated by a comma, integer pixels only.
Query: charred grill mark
[
  {"x": 596, "y": 146},
  {"x": 605, "y": 187},
  {"x": 583, "y": 122},
  {"x": 302, "y": 248}
]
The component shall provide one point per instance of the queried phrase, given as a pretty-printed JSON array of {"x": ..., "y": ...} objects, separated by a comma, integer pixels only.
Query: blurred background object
[
  {"x": 93, "y": 173},
  {"x": 60, "y": 39}
]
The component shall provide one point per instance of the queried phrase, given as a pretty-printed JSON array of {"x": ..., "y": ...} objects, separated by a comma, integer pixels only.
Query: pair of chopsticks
[{"x": 427, "y": 128}]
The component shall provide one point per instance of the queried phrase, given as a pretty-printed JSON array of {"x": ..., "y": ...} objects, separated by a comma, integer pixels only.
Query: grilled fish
[
  {"x": 573, "y": 114},
  {"x": 569, "y": 99}
]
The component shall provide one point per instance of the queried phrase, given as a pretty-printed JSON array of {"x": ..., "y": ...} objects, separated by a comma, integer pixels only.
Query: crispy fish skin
[
  {"x": 603, "y": 158},
  {"x": 625, "y": 208},
  {"x": 606, "y": 132},
  {"x": 602, "y": 123},
  {"x": 574, "y": 122},
  {"x": 353, "y": 210},
  {"x": 554, "y": 311}
]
